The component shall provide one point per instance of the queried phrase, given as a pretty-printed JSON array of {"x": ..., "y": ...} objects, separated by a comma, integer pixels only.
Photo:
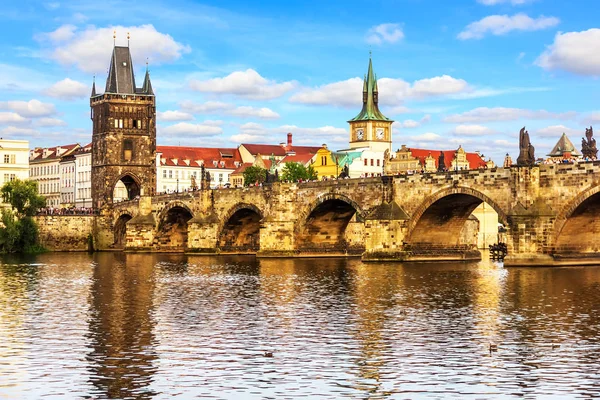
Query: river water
[{"x": 116, "y": 325}]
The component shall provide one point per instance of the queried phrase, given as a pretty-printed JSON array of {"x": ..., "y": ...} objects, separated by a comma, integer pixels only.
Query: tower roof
[
  {"x": 120, "y": 75},
  {"x": 147, "y": 87},
  {"x": 564, "y": 145},
  {"x": 370, "y": 109}
]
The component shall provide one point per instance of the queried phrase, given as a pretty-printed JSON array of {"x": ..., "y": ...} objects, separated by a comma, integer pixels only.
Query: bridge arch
[
  {"x": 240, "y": 229},
  {"x": 120, "y": 229},
  {"x": 322, "y": 226},
  {"x": 126, "y": 187},
  {"x": 440, "y": 218},
  {"x": 577, "y": 226},
  {"x": 172, "y": 230}
]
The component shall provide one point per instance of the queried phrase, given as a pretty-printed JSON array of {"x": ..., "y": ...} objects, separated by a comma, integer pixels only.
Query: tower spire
[
  {"x": 115, "y": 37},
  {"x": 370, "y": 109},
  {"x": 94, "y": 86}
]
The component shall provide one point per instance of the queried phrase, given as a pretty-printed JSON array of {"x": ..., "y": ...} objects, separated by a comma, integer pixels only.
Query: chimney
[{"x": 289, "y": 140}]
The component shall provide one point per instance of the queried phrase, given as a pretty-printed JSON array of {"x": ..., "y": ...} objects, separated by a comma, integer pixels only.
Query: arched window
[{"x": 127, "y": 150}]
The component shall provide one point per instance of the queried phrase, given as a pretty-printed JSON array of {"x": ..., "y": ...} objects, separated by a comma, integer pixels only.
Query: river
[{"x": 115, "y": 325}]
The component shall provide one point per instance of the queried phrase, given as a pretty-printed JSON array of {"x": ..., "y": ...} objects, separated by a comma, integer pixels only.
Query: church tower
[
  {"x": 123, "y": 134},
  {"x": 370, "y": 128}
]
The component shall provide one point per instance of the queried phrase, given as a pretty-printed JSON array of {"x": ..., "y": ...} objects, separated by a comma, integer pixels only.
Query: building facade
[
  {"x": 14, "y": 161},
  {"x": 44, "y": 168},
  {"x": 83, "y": 177}
]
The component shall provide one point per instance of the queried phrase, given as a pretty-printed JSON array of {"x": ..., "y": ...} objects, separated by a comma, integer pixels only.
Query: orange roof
[
  {"x": 182, "y": 156},
  {"x": 299, "y": 158},
  {"x": 474, "y": 159},
  {"x": 277, "y": 150}
]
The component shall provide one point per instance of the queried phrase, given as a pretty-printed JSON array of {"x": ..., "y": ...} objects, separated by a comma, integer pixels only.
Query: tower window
[{"x": 127, "y": 150}]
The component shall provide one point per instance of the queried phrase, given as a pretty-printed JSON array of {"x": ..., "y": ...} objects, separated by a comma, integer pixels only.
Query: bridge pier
[
  {"x": 202, "y": 235},
  {"x": 277, "y": 239}
]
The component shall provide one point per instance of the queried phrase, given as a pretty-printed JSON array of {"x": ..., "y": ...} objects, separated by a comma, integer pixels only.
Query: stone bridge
[{"x": 551, "y": 212}]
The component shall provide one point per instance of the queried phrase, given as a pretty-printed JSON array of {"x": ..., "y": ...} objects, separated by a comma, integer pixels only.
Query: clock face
[
  {"x": 379, "y": 133},
  {"x": 360, "y": 134}
]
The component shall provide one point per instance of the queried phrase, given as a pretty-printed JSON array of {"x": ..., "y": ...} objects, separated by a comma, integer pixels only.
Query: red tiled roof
[
  {"x": 474, "y": 159},
  {"x": 52, "y": 152},
  {"x": 299, "y": 158},
  {"x": 277, "y": 150},
  {"x": 178, "y": 155}
]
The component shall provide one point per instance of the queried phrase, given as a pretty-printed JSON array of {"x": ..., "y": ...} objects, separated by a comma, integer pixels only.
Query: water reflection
[
  {"x": 121, "y": 325},
  {"x": 156, "y": 326}
]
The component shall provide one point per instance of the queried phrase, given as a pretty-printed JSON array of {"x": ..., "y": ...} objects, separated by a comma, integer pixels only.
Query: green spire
[{"x": 370, "y": 109}]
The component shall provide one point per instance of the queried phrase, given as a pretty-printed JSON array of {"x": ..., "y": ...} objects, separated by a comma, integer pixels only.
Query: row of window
[
  {"x": 188, "y": 175},
  {"x": 372, "y": 162},
  {"x": 44, "y": 170},
  {"x": 84, "y": 176},
  {"x": 10, "y": 159},
  {"x": 67, "y": 198},
  {"x": 84, "y": 161},
  {"x": 9, "y": 177},
  {"x": 84, "y": 193},
  {"x": 48, "y": 188},
  {"x": 128, "y": 123}
]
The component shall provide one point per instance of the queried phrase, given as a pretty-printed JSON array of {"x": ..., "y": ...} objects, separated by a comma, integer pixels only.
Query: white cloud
[
  {"x": 90, "y": 49},
  {"x": 217, "y": 107},
  {"x": 392, "y": 92},
  {"x": 47, "y": 122},
  {"x": 13, "y": 131},
  {"x": 485, "y": 114},
  {"x": 409, "y": 123},
  {"x": 12, "y": 118},
  {"x": 247, "y": 84},
  {"x": 495, "y": 2},
  {"x": 593, "y": 117},
  {"x": 188, "y": 129},
  {"x": 426, "y": 137},
  {"x": 503, "y": 142},
  {"x": 245, "y": 138},
  {"x": 472, "y": 130},
  {"x": 174, "y": 115},
  {"x": 68, "y": 89},
  {"x": 250, "y": 112},
  {"x": 346, "y": 93},
  {"x": 575, "y": 52},
  {"x": 320, "y": 132},
  {"x": 382, "y": 33},
  {"x": 61, "y": 34},
  {"x": 555, "y": 131},
  {"x": 502, "y": 24},
  {"x": 30, "y": 109}
]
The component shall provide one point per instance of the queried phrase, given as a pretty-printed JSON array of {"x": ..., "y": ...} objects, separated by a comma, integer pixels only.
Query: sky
[{"x": 467, "y": 73}]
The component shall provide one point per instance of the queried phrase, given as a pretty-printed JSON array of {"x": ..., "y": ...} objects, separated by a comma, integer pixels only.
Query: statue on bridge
[
  {"x": 441, "y": 162},
  {"x": 526, "y": 150},
  {"x": 588, "y": 147}
]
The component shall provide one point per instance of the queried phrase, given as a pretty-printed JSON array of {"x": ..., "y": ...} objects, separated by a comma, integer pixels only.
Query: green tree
[
  {"x": 19, "y": 232},
  {"x": 253, "y": 175},
  {"x": 294, "y": 171}
]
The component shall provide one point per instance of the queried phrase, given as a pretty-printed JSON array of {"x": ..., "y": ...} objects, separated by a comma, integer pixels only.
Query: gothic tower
[
  {"x": 123, "y": 134},
  {"x": 370, "y": 128}
]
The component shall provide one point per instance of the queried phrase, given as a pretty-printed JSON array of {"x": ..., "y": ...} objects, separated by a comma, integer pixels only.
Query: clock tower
[{"x": 370, "y": 128}]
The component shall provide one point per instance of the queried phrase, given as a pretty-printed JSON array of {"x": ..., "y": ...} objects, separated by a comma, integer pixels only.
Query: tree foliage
[
  {"x": 253, "y": 175},
  {"x": 19, "y": 232},
  {"x": 294, "y": 171}
]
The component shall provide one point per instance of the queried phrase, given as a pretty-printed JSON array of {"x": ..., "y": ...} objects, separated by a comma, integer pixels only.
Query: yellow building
[{"x": 324, "y": 162}]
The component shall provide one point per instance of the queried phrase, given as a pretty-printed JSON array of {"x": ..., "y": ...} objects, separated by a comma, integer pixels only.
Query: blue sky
[{"x": 464, "y": 72}]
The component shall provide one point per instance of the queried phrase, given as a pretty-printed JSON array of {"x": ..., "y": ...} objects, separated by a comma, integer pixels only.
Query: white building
[
  {"x": 14, "y": 162},
  {"x": 44, "y": 168},
  {"x": 67, "y": 180},
  {"x": 178, "y": 168},
  {"x": 83, "y": 177}
]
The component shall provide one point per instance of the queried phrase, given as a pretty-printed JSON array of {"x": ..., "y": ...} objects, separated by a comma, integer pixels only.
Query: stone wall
[{"x": 65, "y": 232}]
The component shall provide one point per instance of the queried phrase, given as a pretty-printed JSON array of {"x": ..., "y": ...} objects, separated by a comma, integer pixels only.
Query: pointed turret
[
  {"x": 121, "y": 79},
  {"x": 94, "y": 87},
  {"x": 370, "y": 109},
  {"x": 147, "y": 87}
]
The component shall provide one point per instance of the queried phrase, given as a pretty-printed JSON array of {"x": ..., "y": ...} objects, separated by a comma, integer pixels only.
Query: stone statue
[
  {"x": 273, "y": 162},
  {"x": 526, "y": 150},
  {"x": 588, "y": 147},
  {"x": 441, "y": 162},
  {"x": 202, "y": 175},
  {"x": 193, "y": 183}
]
